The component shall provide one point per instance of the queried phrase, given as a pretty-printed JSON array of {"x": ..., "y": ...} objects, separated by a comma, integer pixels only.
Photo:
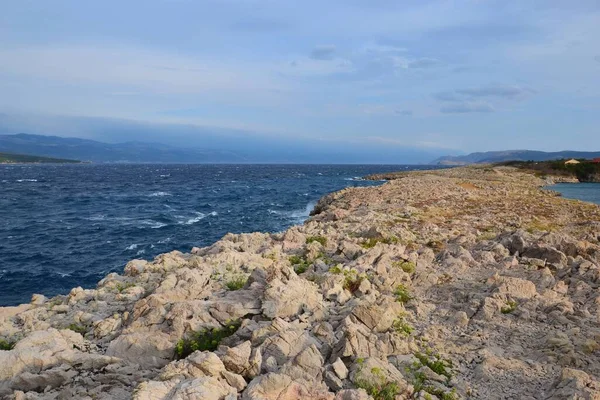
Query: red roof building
[{"x": 596, "y": 160}]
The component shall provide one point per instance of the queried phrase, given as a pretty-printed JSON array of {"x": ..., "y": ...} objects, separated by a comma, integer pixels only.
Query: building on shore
[{"x": 572, "y": 161}]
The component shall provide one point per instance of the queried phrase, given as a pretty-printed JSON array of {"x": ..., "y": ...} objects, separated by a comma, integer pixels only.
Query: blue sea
[
  {"x": 581, "y": 191},
  {"x": 63, "y": 226}
]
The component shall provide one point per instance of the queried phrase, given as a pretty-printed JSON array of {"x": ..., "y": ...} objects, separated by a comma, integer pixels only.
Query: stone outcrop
[{"x": 459, "y": 283}]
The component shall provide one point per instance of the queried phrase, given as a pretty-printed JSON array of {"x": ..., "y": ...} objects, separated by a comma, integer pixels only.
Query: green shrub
[
  {"x": 335, "y": 270},
  {"x": 77, "y": 328},
  {"x": 352, "y": 281},
  {"x": 295, "y": 259},
  {"x": 320, "y": 239},
  {"x": 236, "y": 283},
  {"x": 371, "y": 242},
  {"x": 402, "y": 327},
  {"x": 402, "y": 294},
  {"x": 300, "y": 264},
  {"x": 301, "y": 268},
  {"x": 206, "y": 339},
  {"x": 406, "y": 266},
  {"x": 4, "y": 345},
  {"x": 509, "y": 307},
  {"x": 380, "y": 391},
  {"x": 436, "y": 364},
  {"x": 380, "y": 388},
  {"x": 120, "y": 287}
]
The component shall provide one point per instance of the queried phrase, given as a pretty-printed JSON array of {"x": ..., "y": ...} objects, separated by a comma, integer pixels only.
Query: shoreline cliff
[{"x": 446, "y": 284}]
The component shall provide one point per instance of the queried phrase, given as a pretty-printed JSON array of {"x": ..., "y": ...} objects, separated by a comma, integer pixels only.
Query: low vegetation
[
  {"x": 5, "y": 345},
  {"x": 352, "y": 280},
  {"x": 78, "y": 328},
  {"x": 402, "y": 294},
  {"x": 236, "y": 283},
  {"x": 318, "y": 239},
  {"x": 407, "y": 266},
  {"x": 9, "y": 158},
  {"x": 509, "y": 307},
  {"x": 585, "y": 171},
  {"x": 379, "y": 387},
  {"x": 372, "y": 242},
  {"x": 206, "y": 339},
  {"x": 402, "y": 327}
]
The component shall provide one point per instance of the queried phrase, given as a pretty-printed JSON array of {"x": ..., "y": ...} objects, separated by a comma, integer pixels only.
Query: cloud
[
  {"x": 323, "y": 52},
  {"x": 471, "y": 99},
  {"x": 305, "y": 66},
  {"x": 467, "y": 107},
  {"x": 507, "y": 92},
  {"x": 424, "y": 62},
  {"x": 447, "y": 96}
]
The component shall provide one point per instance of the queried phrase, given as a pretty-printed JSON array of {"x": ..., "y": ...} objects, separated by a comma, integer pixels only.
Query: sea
[
  {"x": 581, "y": 191},
  {"x": 63, "y": 226}
]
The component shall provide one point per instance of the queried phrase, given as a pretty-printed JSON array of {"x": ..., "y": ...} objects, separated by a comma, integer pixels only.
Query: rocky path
[{"x": 450, "y": 284}]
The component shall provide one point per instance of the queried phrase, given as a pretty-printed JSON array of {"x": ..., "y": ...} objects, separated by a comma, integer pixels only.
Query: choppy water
[
  {"x": 63, "y": 226},
  {"x": 581, "y": 191}
]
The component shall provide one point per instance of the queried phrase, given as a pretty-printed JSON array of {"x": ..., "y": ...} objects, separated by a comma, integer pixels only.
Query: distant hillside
[
  {"x": 90, "y": 150},
  {"x": 582, "y": 171},
  {"x": 10, "y": 158},
  {"x": 513, "y": 155}
]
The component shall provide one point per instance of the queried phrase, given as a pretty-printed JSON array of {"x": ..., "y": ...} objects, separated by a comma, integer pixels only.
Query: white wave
[
  {"x": 26, "y": 180},
  {"x": 99, "y": 217},
  {"x": 140, "y": 252},
  {"x": 300, "y": 216},
  {"x": 152, "y": 224},
  {"x": 199, "y": 217},
  {"x": 132, "y": 247},
  {"x": 163, "y": 241},
  {"x": 159, "y": 194}
]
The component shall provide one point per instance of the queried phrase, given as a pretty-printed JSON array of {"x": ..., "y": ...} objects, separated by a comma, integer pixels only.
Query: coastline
[{"x": 465, "y": 282}]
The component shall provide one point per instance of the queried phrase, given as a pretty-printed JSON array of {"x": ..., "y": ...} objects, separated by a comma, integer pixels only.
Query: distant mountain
[
  {"x": 11, "y": 158},
  {"x": 513, "y": 155},
  {"x": 91, "y": 150}
]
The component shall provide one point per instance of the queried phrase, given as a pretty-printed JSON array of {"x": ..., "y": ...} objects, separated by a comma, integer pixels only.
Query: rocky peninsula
[{"x": 449, "y": 284}]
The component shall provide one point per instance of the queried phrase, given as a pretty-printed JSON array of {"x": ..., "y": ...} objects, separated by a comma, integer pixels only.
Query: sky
[{"x": 428, "y": 77}]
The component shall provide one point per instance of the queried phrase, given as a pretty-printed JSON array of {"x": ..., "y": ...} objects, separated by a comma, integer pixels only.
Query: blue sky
[{"x": 431, "y": 76}]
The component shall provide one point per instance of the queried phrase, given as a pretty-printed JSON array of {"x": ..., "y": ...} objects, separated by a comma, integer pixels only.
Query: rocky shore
[{"x": 449, "y": 284}]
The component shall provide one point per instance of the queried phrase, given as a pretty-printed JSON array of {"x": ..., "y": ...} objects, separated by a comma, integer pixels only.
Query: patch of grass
[
  {"x": 436, "y": 364},
  {"x": 407, "y": 266},
  {"x": 402, "y": 327},
  {"x": 300, "y": 268},
  {"x": 300, "y": 264},
  {"x": 509, "y": 307},
  {"x": 380, "y": 388},
  {"x": 236, "y": 283},
  {"x": 335, "y": 270},
  {"x": 372, "y": 242},
  {"x": 78, "y": 328},
  {"x": 5, "y": 345},
  {"x": 206, "y": 339},
  {"x": 540, "y": 226},
  {"x": 402, "y": 294},
  {"x": 379, "y": 391},
  {"x": 270, "y": 256},
  {"x": 121, "y": 287},
  {"x": 320, "y": 239},
  {"x": 352, "y": 281}
]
